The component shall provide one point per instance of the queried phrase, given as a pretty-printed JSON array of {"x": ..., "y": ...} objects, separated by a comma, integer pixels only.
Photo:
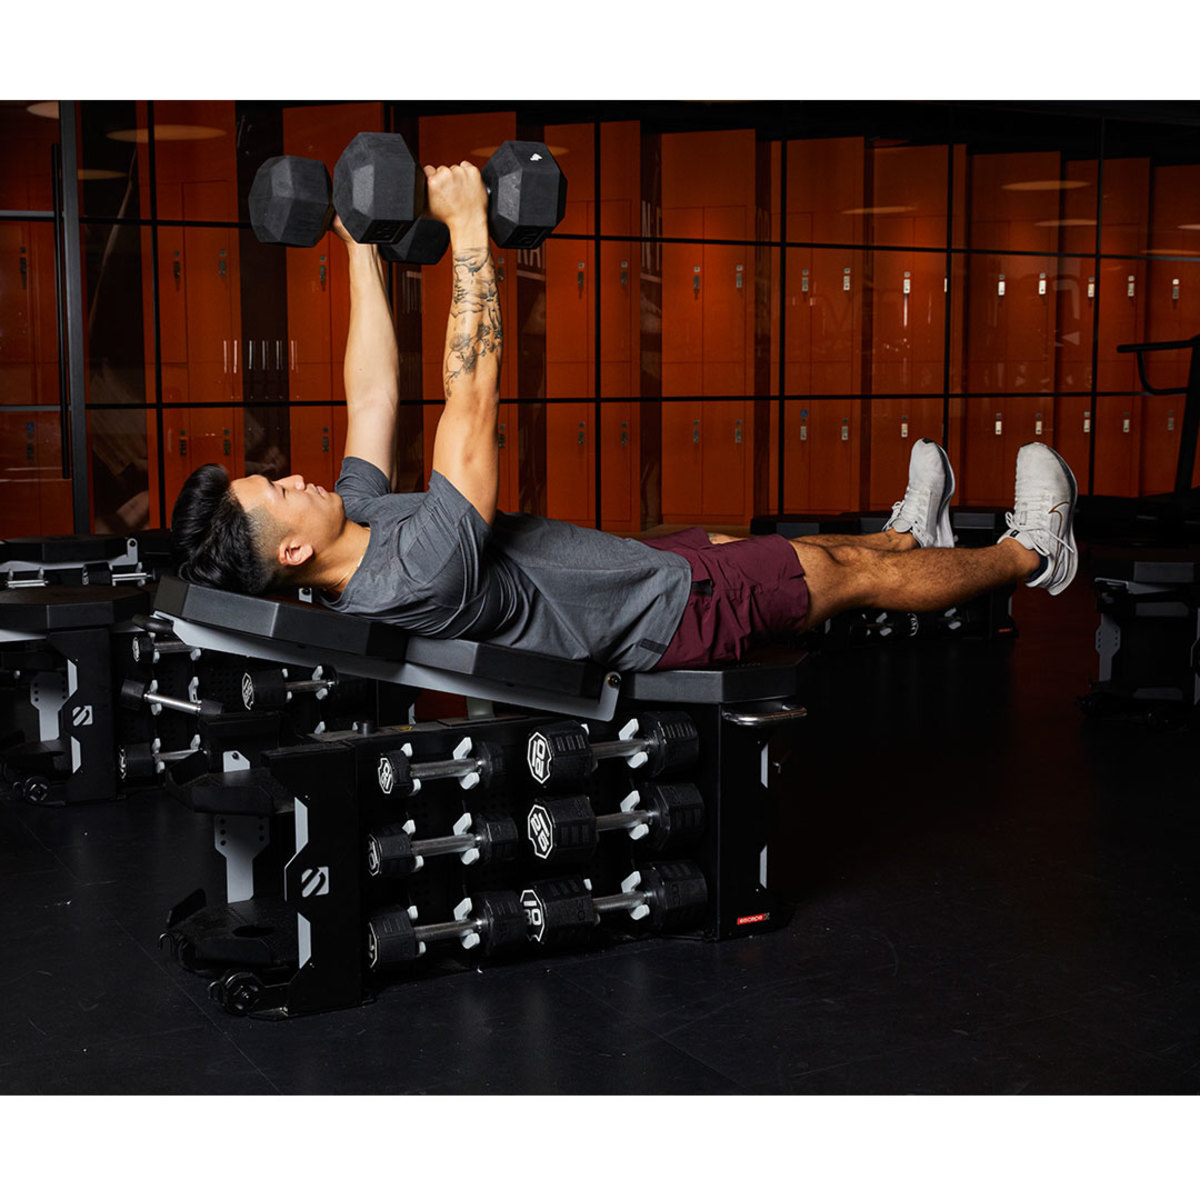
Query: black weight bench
[{"x": 299, "y": 633}]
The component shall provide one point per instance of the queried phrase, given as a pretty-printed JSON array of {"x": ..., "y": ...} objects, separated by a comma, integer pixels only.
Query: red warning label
[{"x": 754, "y": 920}]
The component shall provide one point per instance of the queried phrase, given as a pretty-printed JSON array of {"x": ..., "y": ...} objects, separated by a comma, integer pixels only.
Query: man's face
[{"x": 306, "y": 512}]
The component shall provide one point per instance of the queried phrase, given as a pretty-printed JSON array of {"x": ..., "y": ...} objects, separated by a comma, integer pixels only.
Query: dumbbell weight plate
[
  {"x": 291, "y": 201},
  {"x": 527, "y": 194},
  {"x": 377, "y": 187}
]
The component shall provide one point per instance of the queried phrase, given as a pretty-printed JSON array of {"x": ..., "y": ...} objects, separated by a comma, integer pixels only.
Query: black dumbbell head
[
  {"x": 558, "y": 912},
  {"x": 394, "y": 774},
  {"x": 133, "y": 693},
  {"x": 677, "y": 894},
  {"x": 675, "y": 742},
  {"x": 562, "y": 829},
  {"x": 527, "y": 194},
  {"x": 498, "y": 838},
  {"x": 426, "y": 242},
  {"x": 390, "y": 853},
  {"x": 391, "y": 939},
  {"x": 678, "y": 810},
  {"x": 291, "y": 201},
  {"x": 504, "y": 926},
  {"x": 560, "y": 755},
  {"x": 377, "y": 187}
]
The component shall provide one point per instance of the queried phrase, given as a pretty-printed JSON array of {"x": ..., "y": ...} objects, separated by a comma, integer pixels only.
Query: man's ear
[{"x": 293, "y": 552}]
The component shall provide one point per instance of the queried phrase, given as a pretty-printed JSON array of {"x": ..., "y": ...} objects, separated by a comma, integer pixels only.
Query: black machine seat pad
[{"x": 299, "y": 623}]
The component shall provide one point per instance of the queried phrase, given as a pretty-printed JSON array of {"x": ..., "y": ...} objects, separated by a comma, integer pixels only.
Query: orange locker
[
  {"x": 707, "y": 326},
  {"x": 1012, "y": 314},
  {"x": 821, "y": 462},
  {"x": 35, "y": 499}
]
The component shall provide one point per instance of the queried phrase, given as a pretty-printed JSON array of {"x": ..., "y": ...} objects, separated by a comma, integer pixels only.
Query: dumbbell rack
[{"x": 294, "y": 943}]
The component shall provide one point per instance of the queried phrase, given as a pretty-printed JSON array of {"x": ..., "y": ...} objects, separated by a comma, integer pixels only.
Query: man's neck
[{"x": 340, "y": 560}]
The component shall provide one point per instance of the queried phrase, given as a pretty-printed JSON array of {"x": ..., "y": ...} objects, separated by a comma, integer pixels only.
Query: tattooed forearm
[{"x": 475, "y": 327}]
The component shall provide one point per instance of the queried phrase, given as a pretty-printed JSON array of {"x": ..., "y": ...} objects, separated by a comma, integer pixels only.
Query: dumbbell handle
[{"x": 139, "y": 693}]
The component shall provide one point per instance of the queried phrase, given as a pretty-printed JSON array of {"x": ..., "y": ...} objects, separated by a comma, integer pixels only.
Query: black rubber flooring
[{"x": 992, "y": 896}]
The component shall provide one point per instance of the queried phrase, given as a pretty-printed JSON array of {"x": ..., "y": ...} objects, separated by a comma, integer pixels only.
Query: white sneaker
[
  {"x": 1043, "y": 516},
  {"x": 925, "y": 510}
]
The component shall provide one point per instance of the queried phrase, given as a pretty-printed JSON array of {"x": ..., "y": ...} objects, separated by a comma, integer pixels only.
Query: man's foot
[
  {"x": 1043, "y": 516},
  {"x": 925, "y": 510}
]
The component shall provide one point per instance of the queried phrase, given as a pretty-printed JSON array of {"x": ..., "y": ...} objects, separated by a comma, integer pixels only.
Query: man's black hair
[{"x": 214, "y": 541}]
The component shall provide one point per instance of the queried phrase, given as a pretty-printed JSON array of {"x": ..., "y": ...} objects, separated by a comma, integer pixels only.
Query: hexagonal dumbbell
[
  {"x": 560, "y": 756},
  {"x": 564, "y": 829},
  {"x": 392, "y": 852},
  {"x": 473, "y": 765},
  {"x": 277, "y": 687}
]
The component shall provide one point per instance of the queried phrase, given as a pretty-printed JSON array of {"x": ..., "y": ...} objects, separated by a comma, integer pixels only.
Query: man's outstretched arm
[
  {"x": 372, "y": 363},
  {"x": 465, "y": 447}
]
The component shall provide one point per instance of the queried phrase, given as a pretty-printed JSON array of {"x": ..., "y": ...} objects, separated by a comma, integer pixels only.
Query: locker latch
[
  {"x": 804, "y": 280},
  {"x": 227, "y": 445},
  {"x": 1129, "y": 288},
  {"x": 1000, "y": 286},
  {"x": 845, "y": 429},
  {"x": 579, "y": 277},
  {"x": 324, "y": 439},
  {"x": 737, "y": 432},
  {"x": 804, "y": 425},
  {"x": 695, "y": 433},
  {"x": 695, "y": 281},
  {"x": 1174, "y": 289},
  {"x": 1037, "y": 425},
  {"x": 221, "y": 264},
  {"x": 846, "y": 279},
  {"x": 624, "y": 273},
  {"x": 183, "y": 443},
  {"x": 1125, "y": 424},
  {"x": 999, "y": 424},
  {"x": 1171, "y": 421},
  {"x": 177, "y": 267},
  {"x": 904, "y": 427},
  {"x": 24, "y": 270},
  {"x": 1042, "y": 284},
  {"x": 907, "y": 282},
  {"x": 737, "y": 277},
  {"x": 581, "y": 431},
  {"x": 499, "y": 270},
  {"x": 1087, "y": 422},
  {"x": 1091, "y": 291},
  {"x": 321, "y": 271},
  {"x": 624, "y": 433},
  {"x": 500, "y": 435}
]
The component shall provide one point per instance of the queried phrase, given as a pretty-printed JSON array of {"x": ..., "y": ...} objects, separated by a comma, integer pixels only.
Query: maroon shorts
[{"x": 742, "y": 593}]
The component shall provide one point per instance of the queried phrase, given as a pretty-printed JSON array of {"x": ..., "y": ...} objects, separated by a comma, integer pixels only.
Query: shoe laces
[{"x": 1033, "y": 519}]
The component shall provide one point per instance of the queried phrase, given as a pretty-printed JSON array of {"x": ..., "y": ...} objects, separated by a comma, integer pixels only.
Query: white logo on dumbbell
[
  {"x": 541, "y": 832},
  {"x": 247, "y": 690},
  {"x": 387, "y": 777},
  {"x": 538, "y": 756},
  {"x": 535, "y": 919}
]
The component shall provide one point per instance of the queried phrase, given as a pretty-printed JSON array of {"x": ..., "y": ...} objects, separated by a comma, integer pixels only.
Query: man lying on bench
[{"x": 445, "y": 563}]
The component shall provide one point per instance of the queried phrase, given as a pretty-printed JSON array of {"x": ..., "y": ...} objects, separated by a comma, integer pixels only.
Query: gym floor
[{"x": 991, "y": 896}]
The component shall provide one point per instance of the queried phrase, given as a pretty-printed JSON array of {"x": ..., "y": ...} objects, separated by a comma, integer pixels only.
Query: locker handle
[
  {"x": 499, "y": 270},
  {"x": 24, "y": 271},
  {"x": 695, "y": 433},
  {"x": 321, "y": 272},
  {"x": 737, "y": 277},
  {"x": 581, "y": 433},
  {"x": 177, "y": 269},
  {"x": 695, "y": 281},
  {"x": 624, "y": 433},
  {"x": 221, "y": 264},
  {"x": 624, "y": 274},
  {"x": 500, "y": 437},
  {"x": 579, "y": 277},
  {"x": 737, "y": 433}
]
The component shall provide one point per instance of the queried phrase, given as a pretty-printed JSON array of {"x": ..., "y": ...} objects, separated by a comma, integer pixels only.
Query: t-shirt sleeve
[
  {"x": 359, "y": 483},
  {"x": 441, "y": 545}
]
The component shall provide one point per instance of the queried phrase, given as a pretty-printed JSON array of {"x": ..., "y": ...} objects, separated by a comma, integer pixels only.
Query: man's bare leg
[{"x": 924, "y": 580}]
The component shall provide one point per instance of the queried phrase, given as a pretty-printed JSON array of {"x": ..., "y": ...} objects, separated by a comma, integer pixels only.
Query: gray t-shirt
[{"x": 434, "y": 567}]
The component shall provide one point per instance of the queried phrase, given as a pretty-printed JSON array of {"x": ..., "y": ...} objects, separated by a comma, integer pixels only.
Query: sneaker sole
[
  {"x": 1073, "y": 558},
  {"x": 943, "y": 533}
]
